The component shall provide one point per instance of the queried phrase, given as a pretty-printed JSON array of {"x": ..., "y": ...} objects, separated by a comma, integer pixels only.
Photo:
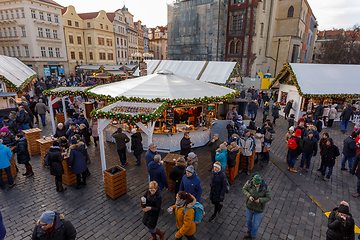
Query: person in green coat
[
  {"x": 257, "y": 195},
  {"x": 275, "y": 111}
]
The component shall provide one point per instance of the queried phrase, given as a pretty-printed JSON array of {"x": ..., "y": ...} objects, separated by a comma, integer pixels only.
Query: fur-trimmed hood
[
  {"x": 259, "y": 136},
  {"x": 236, "y": 148},
  {"x": 189, "y": 205},
  {"x": 79, "y": 144}
]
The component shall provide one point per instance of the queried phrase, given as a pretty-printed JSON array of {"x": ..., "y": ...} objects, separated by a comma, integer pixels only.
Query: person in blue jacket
[
  {"x": 77, "y": 161},
  {"x": 2, "y": 228},
  {"x": 6, "y": 155},
  {"x": 157, "y": 173},
  {"x": 191, "y": 183},
  {"x": 221, "y": 156}
]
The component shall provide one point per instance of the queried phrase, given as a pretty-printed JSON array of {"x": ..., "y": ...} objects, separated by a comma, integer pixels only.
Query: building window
[
  {"x": 261, "y": 29},
  {"x": 18, "y": 50},
  {"x": 110, "y": 56},
  {"x": 101, "y": 26},
  {"x": 5, "y": 32},
  {"x": 101, "y": 41},
  {"x": 22, "y": 13},
  {"x": 79, "y": 40},
  {"x": 55, "y": 33},
  {"x": 47, "y": 31},
  {"x": 7, "y": 14},
  {"x": 51, "y": 52},
  {"x": 125, "y": 54},
  {"x": 107, "y": 28},
  {"x": 108, "y": 42},
  {"x": 187, "y": 22},
  {"x": 89, "y": 40},
  {"x": 122, "y": 54},
  {"x": 0, "y": 32},
  {"x": 56, "y": 17},
  {"x": 81, "y": 57},
  {"x": 290, "y": 12},
  {"x": 232, "y": 47},
  {"x": 9, "y": 53},
  {"x": 49, "y": 17},
  {"x": 2, "y": 15},
  {"x": 17, "y": 13},
  {"x": 118, "y": 53},
  {"x": 72, "y": 54},
  {"x": 43, "y": 52},
  {"x": 15, "y": 32},
  {"x": 27, "y": 53},
  {"x": 13, "y": 51},
  {"x": 71, "y": 39},
  {"x": 23, "y": 32},
  {"x": 238, "y": 46},
  {"x": 124, "y": 42},
  {"x": 91, "y": 57},
  {"x": 41, "y": 33},
  {"x": 4, "y": 51},
  {"x": 117, "y": 41},
  {"x": 88, "y": 25},
  {"x": 12, "y": 14},
  {"x": 102, "y": 56},
  {"x": 57, "y": 52},
  {"x": 121, "y": 41},
  {"x": 41, "y": 15},
  {"x": 264, "y": 5},
  {"x": 238, "y": 22},
  {"x": 69, "y": 22},
  {"x": 295, "y": 53},
  {"x": 76, "y": 24},
  {"x": 10, "y": 32}
]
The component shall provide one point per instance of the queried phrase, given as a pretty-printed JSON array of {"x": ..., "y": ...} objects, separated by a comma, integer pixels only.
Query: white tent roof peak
[
  {"x": 14, "y": 70},
  {"x": 162, "y": 86},
  {"x": 165, "y": 72}
]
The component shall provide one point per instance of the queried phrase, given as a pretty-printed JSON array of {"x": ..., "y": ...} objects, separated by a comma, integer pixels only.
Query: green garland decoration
[{"x": 16, "y": 88}]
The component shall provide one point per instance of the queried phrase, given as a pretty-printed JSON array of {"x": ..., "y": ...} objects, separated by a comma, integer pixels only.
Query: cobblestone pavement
[{"x": 291, "y": 214}]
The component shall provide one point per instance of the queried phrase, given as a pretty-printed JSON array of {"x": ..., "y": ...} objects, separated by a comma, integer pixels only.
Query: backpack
[
  {"x": 292, "y": 143},
  {"x": 269, "y": 134},
  {"x": 46, "y": 161},
  {"x": 199, "y": 212}
]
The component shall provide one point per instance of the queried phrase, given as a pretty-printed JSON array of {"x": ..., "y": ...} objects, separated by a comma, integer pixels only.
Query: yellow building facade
[{"x": 89, "y": 38}]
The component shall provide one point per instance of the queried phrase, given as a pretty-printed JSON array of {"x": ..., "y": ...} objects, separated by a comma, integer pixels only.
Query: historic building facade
[
  {"x": 158, "y": 42},
  {"x": 33, "y": 32},
  {"x": 132, "y": 35}
]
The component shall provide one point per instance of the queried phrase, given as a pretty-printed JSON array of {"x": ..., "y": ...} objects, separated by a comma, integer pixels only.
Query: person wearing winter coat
[
  {"x": 251, "y": 109},
  {"x": 247, "y": 144},
  {"x": 56, "y": 169},
  {"x": 177, "y": 173},
  {"x": 319, "y": 111},
  {"x": 7, "y": 137},
  {"x": 321, "y": 145},
  {"x": 349, "y": 151},
  {"x": 214, "y": 145},
  {"x": 84, "y": 133},
  {"x": 233, "y": 150},
  {"x": 150, "y": 154},
  {"x": 10, "y": 124},
  {"x": 269, "y": 136},
  {"x": 77, "y": 162},
  {"x": 294, "y": 153},
  {"x": 94, "y": 130},
  {"x": 221, "y": 155},
  {"x": 81, "y": 120},
  {"x": 356, "y": 170},
  {"x": 23, "y": 156},
  {"x": 288, "y": 107},
  {"x": 234, "y": 138},
  {"x": 157, "y": 173},
  {"x": 230, "y": 129},
  {"x": 218, "y": 185},
  {"x": 53, "y": 225},
  {"x": 191, "y": 183},
  {"x": 313, "y": 129},
  {"x": 151, "y": 206},
  {"x": 136, "y": 145},
  {"x": 288, "y": 135},
  {"x": 60, "y": 131},
  {"x": 345, "y": 117},
  {"x": 185, "y": 145},
  {"x": 184, "y": 214},
  {"x": 32, "y": 105},
  {"x": 341, "y": 224},
  {"x": 302, "y": 129},
  {"x": 23, "y": 118},
  {"x": 6, "y": 155},
  {"x": 328, "y": 156},
  {"x": 266, "y": 111},
  {"x": 309, "y": 150},
  {"x": 121, "y": 140},
  {"x": 259, "y": 143},
  {"x": 275, "y": 111},
  {"x": 257, "y": 195},
  {"x": 41, "y": 109},
  {"x": 332, "y": 115},
  {"x": 291, "y": 120},
  {"x": 73, "y": 129},
  {"x": 326, "y": 114}
]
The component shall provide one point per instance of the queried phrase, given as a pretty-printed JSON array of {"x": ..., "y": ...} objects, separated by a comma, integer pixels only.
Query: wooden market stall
[{"x": 311, "y": 84}]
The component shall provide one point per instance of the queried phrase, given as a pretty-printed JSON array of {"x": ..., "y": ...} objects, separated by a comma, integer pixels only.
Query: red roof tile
[
  {"x": 89, "y": 15},
  {"x": 63, "y": 11},
  {"x": 111, "y": 16}
]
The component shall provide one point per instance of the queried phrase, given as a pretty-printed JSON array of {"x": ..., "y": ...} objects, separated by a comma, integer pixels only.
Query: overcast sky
[{"x": 329, "y": 13}]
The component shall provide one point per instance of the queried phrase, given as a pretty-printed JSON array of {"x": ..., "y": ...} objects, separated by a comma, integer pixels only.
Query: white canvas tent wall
[{"x": 14, "y": 70}]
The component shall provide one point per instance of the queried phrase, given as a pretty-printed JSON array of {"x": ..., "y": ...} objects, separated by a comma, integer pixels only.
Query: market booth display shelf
[
  {"x": 31, "y": 136},
  {"x": 115, "y": 181},
  {"x": 12, "y": 167},
  {"x": 45, "y": 144}
]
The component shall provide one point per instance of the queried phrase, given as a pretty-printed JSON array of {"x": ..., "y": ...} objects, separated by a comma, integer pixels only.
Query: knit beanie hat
[
  {"x": 47, "y": 217},
  {"x": 343, "y": 209},
  {"x": 4, "y": 129},
  {"x": 298, "y": 133},
  {"x": 257, "y": 179},
  {"x": 56, "y": 144},
  {"x": 190, "y": 169},
  {"x": 222, "y": 146},
  {"x": 191, "y": 155}
]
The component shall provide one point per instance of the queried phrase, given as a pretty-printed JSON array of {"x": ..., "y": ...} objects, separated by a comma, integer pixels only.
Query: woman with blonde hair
[{"x": 151, "y": 204}]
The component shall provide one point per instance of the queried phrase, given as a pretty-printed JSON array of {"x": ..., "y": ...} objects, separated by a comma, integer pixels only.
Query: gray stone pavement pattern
[{"x": 291, "y": 214}]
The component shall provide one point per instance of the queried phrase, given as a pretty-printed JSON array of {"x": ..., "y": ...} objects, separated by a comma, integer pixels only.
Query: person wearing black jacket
[
  {"x": 23, "y": 156},
  {"x": 177, "y": 172},
  {"x": 302, "y": 128},
  {"x": 10, "y": 124},
  {"x": 233, "y": 150},
  {"x": 218, "y": 186},
  {"x": 294, "y": 153},
  {"x": 136, "y": 145},
  {"x": 356, "y": 167},
  {"x": 151, "y": 204},
  {"x": 328, "y": 156},
  {"x": 185, "y": 145},
  {"x": 288, "y": 107},
  {"x": 23, "y": 118},
  {"x": 345, "y": 116},
  {"x": 56, "y": 169},
  {"x": 349, "y": 151},
  {"x": 318, "y": 112},
  {"x": 60, "y": 131},
  {"x": 7, "y": 137},
  {"x": 33, "y": 102},
  {"x": 341, "y": 224},
  {"x": 309, "y": 150}
]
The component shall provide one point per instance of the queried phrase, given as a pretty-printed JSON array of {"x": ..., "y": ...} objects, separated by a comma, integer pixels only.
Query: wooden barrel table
[{"x": 31, "y": 136}]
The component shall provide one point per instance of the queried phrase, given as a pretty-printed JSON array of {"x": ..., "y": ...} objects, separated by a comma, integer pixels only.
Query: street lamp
[
  {"x": 151, "y": 56},
  {"x": 146, "y": 55}
]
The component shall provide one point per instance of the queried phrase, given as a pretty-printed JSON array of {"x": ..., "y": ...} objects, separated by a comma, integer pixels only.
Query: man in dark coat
[
  {"x": 136, "y": 145},
  {"x": 328, "y": 156},
  {"x": 319, "y": 112},
  {"x": 52, "y": 225},
  {"x": 157, "y": 173},
  {"x": 23, "y": 156},
  {"x": 33, "y": 103},
  {"x": 191, "y": 183},
  {"x": 84, "y": 133},
  {"x": 150, "y": 154},
  {"x": 121, "y": 140},
  {"x": 345, "y": 116},
  {"x": 251, "y": 109},
  {"x": 10, "y": 124},
  {"x": 356, "y": 167},
  {"x": 309, "y": 150},
  {"x": 349, "y": 151},
  {"x": 81, "y": 120},
  {"x": 218, "y": 185},
  {"x": 60, "y": 131},
  {"x": 177, "y": 172},
  {"x": 185, "y": 145},
  {"x": 56, "y": 169},
  {"x": 23, "y": 118},
  {"x": 77, "y": 161},
  {"x": 302, "y": 128},
  {"x": 287, "y": 108},
  {"x": 341, "y": 224}
]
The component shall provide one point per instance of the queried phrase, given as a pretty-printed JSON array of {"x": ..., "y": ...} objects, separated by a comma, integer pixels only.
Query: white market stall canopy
[
  {"x": 74, "y": 89},
  {"x": 207, "y": 71},
  {"x": 131, "y": 108},
  {"x": 14, "y": 70},
  {"x": 320, "y": 79},
  {"x": 164, "y": 85},
  {"x": 106, "y": 67}
]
